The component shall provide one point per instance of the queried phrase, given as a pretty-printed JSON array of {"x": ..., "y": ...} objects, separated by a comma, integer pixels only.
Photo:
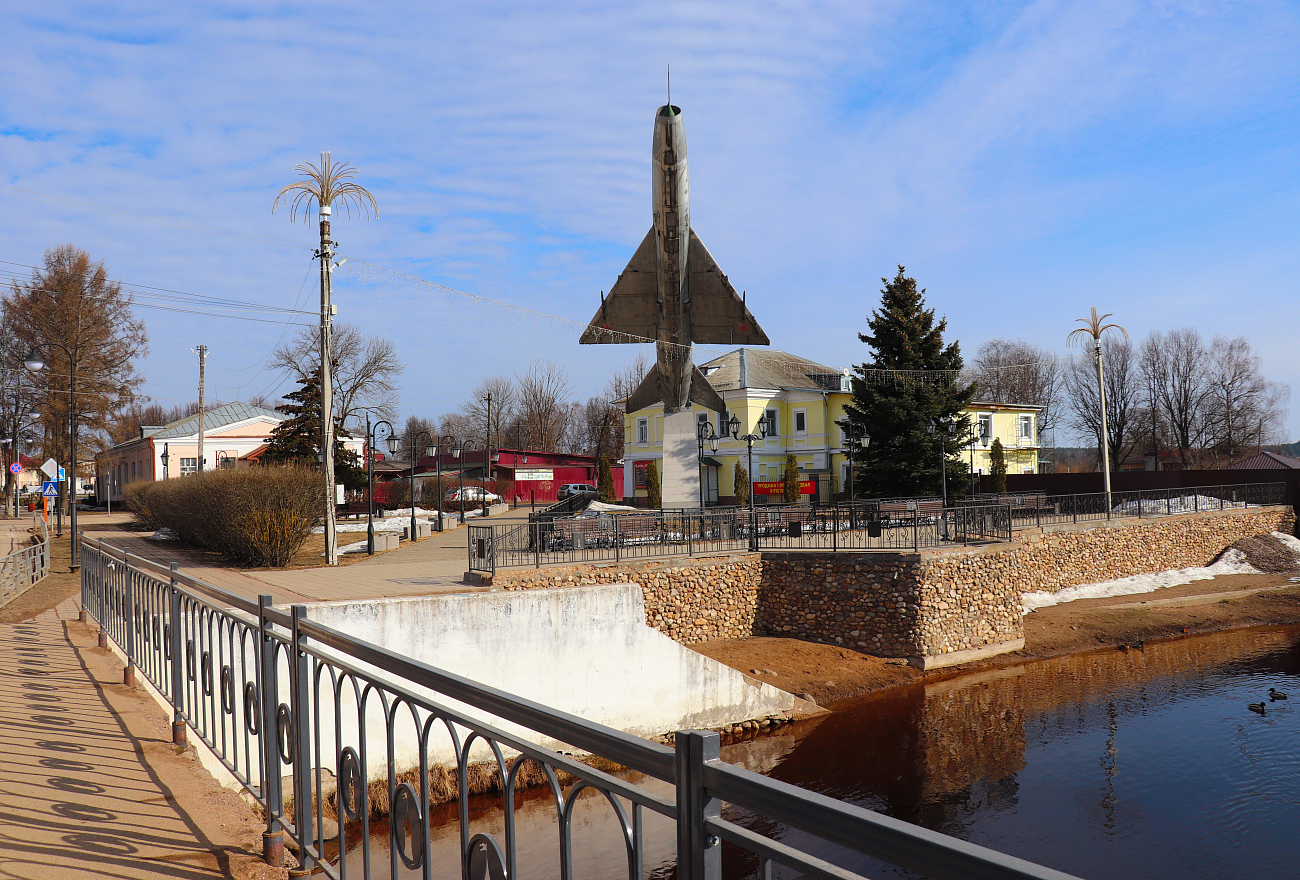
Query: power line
[{"x": 147, "y": 218}]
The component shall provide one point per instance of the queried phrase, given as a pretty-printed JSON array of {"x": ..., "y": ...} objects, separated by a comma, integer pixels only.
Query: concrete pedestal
[{"x": 681, "y": 466}]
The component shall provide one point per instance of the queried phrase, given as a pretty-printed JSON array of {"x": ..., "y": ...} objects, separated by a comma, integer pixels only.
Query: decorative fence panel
[
  {"x": 292, "y": 707},
  {"x": 23, "y": 569}
]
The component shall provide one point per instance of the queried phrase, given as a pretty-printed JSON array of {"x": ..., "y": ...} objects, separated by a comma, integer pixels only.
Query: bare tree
[
  {"x": 365, "y": 369},
  {"x": 71, "y": 301},
  {"x": 136, "y": 416},
  {"x": 1016, "y": 371},
  {"x": 1174, "y": 367},
  {"x": 1124, "y": 394},
  {"x": 411, "y": 450},
  {"x": 505, "y": 398},
  {"x": 544, "y": 406},
  {"x": 1244, "y": 411},
  {"x": 459, "y": 426}
]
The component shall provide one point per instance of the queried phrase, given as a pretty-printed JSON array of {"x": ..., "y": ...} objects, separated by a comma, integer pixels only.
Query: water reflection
[{"x": 1143, "y": 763}]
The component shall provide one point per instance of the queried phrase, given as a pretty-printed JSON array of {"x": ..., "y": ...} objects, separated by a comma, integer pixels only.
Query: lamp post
[
  {"x": 487, "y": 454},
  {"x": 429, "y": 449},
  {"x": 393, "y": 443},
  {"x": 440, "y": 445},
  {"x": 945, "y": 428},
  {"x": 855, "y": 440},
  {"x": 462, "y": 447},
  {"x": 35, "y": 363},
  {"x": 704, "y": 433},
  {"x": 749, "y": 439},
  {"x": 983, "y": 437}
]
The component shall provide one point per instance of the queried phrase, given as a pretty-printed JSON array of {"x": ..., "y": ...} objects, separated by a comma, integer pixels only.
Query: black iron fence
[
  {"x": 316, "y": 725},
  {"x": 1038, "y": 508},
  {"x": 864, "y": 525}
]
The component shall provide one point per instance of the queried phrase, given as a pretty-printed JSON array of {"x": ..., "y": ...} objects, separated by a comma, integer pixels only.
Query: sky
[{"x": 1025, "y": 161}]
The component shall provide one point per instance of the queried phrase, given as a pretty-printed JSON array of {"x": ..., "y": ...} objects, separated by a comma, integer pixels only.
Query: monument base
[{"x": 680, "y": 481}]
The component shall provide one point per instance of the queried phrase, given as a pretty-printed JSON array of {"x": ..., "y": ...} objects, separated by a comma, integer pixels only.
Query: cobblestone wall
[{"x": 904, "y": 605}]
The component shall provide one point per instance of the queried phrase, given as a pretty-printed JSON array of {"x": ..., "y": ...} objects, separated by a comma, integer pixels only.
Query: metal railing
[
  {"x": 270, "y": 691},
  {"x": 1032, "y": 509},
  {"x": 861, "y": 526},
  {"x": 23, "y": 569}
]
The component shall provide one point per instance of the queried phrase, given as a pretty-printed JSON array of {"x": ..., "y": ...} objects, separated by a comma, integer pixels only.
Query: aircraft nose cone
[{"x": 670, "y": 110}]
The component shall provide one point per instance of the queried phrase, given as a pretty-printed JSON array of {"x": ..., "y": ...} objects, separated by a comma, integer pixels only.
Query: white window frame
[
  {"x": 798, "y": 415},
  {"x": 189, "y": 466},
  {"x": 773, "y": 417},
  {"x": 980, "y": 418},
  {"x": 701, "y": 418},
  {"x": 643, "y": 431},
  {"x": 1025, "y": 427}
]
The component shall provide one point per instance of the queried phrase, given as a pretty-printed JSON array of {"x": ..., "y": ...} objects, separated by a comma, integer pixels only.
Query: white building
[{"x": 234, "y": 435}]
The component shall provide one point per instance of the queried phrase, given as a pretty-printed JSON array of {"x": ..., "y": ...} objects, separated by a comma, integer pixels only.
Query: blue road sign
[{"x": 50, "y": 489}]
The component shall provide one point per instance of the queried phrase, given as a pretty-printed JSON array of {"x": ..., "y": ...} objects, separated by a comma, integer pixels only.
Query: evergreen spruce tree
[
  {"x": 740, "y": 485},
  {"x": 894, "y": 408},
  {"x": 998, "y": 466},
  {"x": 790, "y": 484},
  {"x": 652, "y": 485},
  {"x": 297, "y": 439},
  {"x": 605, "y": 484}
]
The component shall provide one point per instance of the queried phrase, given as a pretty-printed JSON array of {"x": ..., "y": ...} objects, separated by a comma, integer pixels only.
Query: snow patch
[
  {"x": 1292, "y": 543},
  {"x": 1231, "y": 562},
  {"x": 164, "y": 534},
  {"x": 1182, "y": 504}
]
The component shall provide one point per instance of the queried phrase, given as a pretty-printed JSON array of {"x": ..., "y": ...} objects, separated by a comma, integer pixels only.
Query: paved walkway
[
  {"x": 433, "y": 565},
  {"x": 90, "y": 785}
]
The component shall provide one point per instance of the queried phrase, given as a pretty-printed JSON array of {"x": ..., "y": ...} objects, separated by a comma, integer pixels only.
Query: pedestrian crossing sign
[{"x": 50, "y": 489}]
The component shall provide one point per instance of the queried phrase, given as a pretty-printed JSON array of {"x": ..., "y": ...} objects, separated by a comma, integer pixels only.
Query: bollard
[
  {"x": 273, "y": 848},
  {"x": 178, "y": 668}
]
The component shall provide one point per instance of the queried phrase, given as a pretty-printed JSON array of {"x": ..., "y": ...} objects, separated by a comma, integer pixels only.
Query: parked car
[
  {"x": 472, "y": 494},
  {"x": 568, "y": 490}
]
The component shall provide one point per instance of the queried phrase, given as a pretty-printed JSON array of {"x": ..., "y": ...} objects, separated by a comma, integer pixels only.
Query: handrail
[{"x": 263, "y": 696}]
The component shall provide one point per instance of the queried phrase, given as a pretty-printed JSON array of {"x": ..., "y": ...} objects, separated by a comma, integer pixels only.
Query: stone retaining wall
[{"x": 927, "y": 605}]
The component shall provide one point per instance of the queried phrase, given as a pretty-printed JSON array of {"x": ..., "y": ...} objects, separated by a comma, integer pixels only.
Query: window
[
  {"x": 189, "y": 466},
  {"x": 772, "y": 424},
  {"x": 701, "y": 419},
  {"x": 642, "y": 431},
  {"x": 985, "y": 427},
  {"x": 1026, "y": 424},
  {"x": 800, "y": 421},
  {"x": 132, "y": 471}
]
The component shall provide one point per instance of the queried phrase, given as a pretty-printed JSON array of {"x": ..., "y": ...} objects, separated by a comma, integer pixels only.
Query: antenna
[{"x": 670, "y": 85}]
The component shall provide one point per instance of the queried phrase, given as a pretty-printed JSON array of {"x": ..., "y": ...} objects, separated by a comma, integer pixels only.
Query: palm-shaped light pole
[
  {"x": 1094, "y": 328},
  {"x": 325, "y": 186}
]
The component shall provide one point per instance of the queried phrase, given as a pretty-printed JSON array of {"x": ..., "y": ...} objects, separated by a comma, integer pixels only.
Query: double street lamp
[
  {"x": 35, "y": 363},
  {"x": 982, "y": 434},
  {"x": 462, "y": 447},
  {"x": 446, "y": 443},
  {"x": 704, "y": 433},
  {"x": 855, "y": 440},
  {"x": 749, "y": 439},
  {"x": 945, "y": 428},
  {"x": 393, "y": 443}
]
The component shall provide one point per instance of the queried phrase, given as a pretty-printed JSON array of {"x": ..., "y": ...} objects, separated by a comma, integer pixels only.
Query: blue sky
[{"x": 1025, "y": 161}]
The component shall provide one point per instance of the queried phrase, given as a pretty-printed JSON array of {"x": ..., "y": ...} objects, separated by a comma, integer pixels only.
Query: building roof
[
  {"x": 213, "y": 419},
  {"x": 767, "y": 368},
  {"x": 1268, "y": 461}
]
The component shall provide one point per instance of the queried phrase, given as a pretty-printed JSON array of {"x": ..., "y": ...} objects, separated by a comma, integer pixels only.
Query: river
[{"x": 1145, "y": 763}]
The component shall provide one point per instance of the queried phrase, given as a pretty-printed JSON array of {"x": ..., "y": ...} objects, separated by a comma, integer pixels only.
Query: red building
[{"x": 520, "y": 476}]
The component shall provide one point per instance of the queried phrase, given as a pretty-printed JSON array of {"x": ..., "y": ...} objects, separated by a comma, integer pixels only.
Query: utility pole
[
  {"x": 1094, "y": 328},
  {"x": 203, "y": 355},
  {"x": 326, "y": 185}
]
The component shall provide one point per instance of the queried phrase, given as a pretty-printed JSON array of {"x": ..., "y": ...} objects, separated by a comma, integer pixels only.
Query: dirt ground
[{"x": 829, "y": 673}]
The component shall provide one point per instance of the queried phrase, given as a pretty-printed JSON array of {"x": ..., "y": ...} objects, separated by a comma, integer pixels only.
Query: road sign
[
  {"x": 62, "y": 475},
  {"x": 50, "y": 468},
  {"x": 50, "y": 489},
  {"x": 15, "y": 468}
]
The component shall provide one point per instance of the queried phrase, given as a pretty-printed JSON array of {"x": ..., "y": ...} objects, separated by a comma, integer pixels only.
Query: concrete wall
[
  {"x": 936, "y": 607},
  {"x": 587, "y": 652}
]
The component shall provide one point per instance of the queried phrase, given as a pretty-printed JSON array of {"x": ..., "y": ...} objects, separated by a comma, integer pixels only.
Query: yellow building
[{"x": 802, "y": 402}]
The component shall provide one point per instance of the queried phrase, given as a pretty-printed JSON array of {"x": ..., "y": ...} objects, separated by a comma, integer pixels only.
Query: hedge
[{"x": 255, "y": 516}]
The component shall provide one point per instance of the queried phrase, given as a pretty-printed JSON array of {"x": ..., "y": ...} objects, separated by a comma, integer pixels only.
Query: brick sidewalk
[{"x": 90, "y": 784}]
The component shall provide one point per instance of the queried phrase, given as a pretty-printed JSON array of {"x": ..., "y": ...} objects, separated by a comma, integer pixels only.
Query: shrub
[
  {"x": 605, "y": 485},
  {"x": 652, "y": 488},
  {"x": 256, "y": 516},
  {"x": 740, "y": 484},
  {"x": 137, "y": 502},
  {"x": 998, "y": 466},
  {"x": 790, "y": 481}
]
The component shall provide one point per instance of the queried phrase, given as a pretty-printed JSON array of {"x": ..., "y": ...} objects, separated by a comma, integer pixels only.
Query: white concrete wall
[{"x": 583, "y": 650}]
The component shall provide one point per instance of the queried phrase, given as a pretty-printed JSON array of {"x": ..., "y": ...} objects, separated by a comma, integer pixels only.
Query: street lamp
[
  {"x": 945, "y": 427},
  {"x": 429, "y": 449},
  {"x": 982, "y": 435},
  {"x": 855, "y": 440},
  {"x": 393, "y": 443},
  {"x": 463, "y": 446},
  {"x": 36, "y": 363},
  {"x": 749, "y": 439},
  {"x": 440, "y": 446},
  {"x": 704, "y": 433}
]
